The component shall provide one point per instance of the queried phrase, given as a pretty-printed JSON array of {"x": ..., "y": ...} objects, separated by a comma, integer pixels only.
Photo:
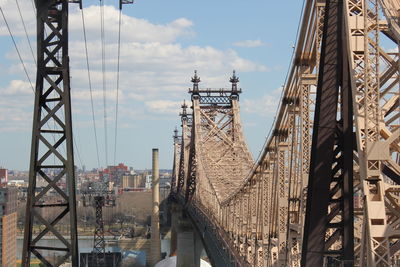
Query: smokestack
[{"x": 155, "y": 255}]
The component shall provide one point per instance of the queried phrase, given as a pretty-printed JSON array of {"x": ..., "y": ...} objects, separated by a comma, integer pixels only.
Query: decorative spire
[
  {"x": 184, "y": 107},
  {"x": 175, "y": 135},
  {"x": 195, "y": 81},
  {"x": 234, "y": 80},
  {"x": 184, "y": 112}
]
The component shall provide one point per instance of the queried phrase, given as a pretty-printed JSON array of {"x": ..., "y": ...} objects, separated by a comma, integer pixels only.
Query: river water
[{"x": 85, "y": 244}]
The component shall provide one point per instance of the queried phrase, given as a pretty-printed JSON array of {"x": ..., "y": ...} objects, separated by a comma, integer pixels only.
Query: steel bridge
[{"x": 325, "y": 189}]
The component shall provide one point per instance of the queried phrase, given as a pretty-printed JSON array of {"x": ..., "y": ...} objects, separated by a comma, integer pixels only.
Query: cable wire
[
  {"x": 16, "y": 48},
  {"x": 90, "y": 89},
  {"x": 77, "y": 150},
  {"x": 103, "y": 68},
  {"x": 26, "y": 32},
  {"x": 21, "y": 60},
  {"x": 117, "y": 100}
]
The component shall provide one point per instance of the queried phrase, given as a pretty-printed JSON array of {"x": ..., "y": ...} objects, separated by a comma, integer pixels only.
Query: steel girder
[
  {"x": 329, "y": 219},
  {"x": 376, "y": 108},
  {"x": 52, "y": 159}
]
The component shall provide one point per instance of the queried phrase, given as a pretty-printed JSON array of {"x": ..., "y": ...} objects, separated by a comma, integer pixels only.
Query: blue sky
[{"x": 162, "y": 42}]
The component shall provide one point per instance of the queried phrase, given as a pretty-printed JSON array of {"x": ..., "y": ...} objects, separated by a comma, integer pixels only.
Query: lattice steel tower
[
  {"x": 52, "y": 156},
  {"x": 99, "y": 248}
]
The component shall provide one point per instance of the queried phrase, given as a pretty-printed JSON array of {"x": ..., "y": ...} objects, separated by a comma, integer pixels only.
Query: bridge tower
[
  {"x": 177, "y": 152},
  {"x": 186, "y": 125},
  {"x": 218, "y": 157}
]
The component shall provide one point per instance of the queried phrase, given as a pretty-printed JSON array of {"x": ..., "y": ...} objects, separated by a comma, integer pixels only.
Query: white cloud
[
  {"x": 17, "y": 87},
  {"x": 12, "y": 15},
  {"x": 16, "y": 101},
  {"x": 249, "y": 43},
  {"x": 264, "y": 106},
  {"x": 155, "y": 69},
  {"x": 164, "y": 106},
  {"x": 132, "y": 29}
]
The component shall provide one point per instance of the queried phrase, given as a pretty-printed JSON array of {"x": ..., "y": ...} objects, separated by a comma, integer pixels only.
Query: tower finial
[
  {"x": 234, "y": 80},
  {"x": 175, "y": 134},
  {"x": 195, "y": 80},
  {"x": 184, "y": 112}
]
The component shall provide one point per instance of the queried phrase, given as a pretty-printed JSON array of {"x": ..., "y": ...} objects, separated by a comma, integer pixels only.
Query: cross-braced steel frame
[
  {"x": 52, "y": 157},
  {"x": 99, "y": 247}
]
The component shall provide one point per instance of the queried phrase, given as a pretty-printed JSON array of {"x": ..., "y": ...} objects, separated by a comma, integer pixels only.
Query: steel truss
[
  {"x": 99, "y": 247},
  {"x": 52, "y": 159},
  {"x": 328, "y": 229},
  {"x": 185, "y": 148},
  {"x": 218, "y": 157},
  {"x": 355, "y": 149}
]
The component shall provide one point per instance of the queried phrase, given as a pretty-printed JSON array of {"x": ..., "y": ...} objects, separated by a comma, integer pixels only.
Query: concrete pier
[
  {"x": 175, "y": 213},
  {"x": 189, "y": 245},
  {"x": 155, "y": 255}
]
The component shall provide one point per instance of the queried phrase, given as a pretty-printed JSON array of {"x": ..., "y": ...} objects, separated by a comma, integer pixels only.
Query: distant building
[
  {"x": 17, "y": 183},
  {"x": 132, "y": 181},
  {"x": 8, "y": 226},
  {"x": 114, "y": 173},
  {"x": 127, "y": 181},
  {"x": 148, "y": 181},
  {"x": 3, "y": 176}
]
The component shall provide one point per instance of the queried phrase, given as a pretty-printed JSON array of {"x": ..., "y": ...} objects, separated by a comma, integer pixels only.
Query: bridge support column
[
  {"x": 175, "y": 213},
  {"x": 198, "y": 249},
  {"x": 189, "y": 245}
]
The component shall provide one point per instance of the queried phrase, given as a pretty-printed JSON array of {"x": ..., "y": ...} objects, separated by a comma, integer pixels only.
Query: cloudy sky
[{"x": 162, "y": 42}]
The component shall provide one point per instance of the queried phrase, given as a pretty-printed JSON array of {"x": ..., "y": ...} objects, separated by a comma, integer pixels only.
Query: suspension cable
[
  {"x": 90, "y": 89},
  {"x": 77, "y": 151},
  {"x": 16, "y": 48},
  {"x": 117, "y": 100},
  {"x": 26, "y": 32},
  {"x": 103, "y": 68}
]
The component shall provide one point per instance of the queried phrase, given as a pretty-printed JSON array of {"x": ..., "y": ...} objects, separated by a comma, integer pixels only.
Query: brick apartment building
[{"x": 8, "y": 226}]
